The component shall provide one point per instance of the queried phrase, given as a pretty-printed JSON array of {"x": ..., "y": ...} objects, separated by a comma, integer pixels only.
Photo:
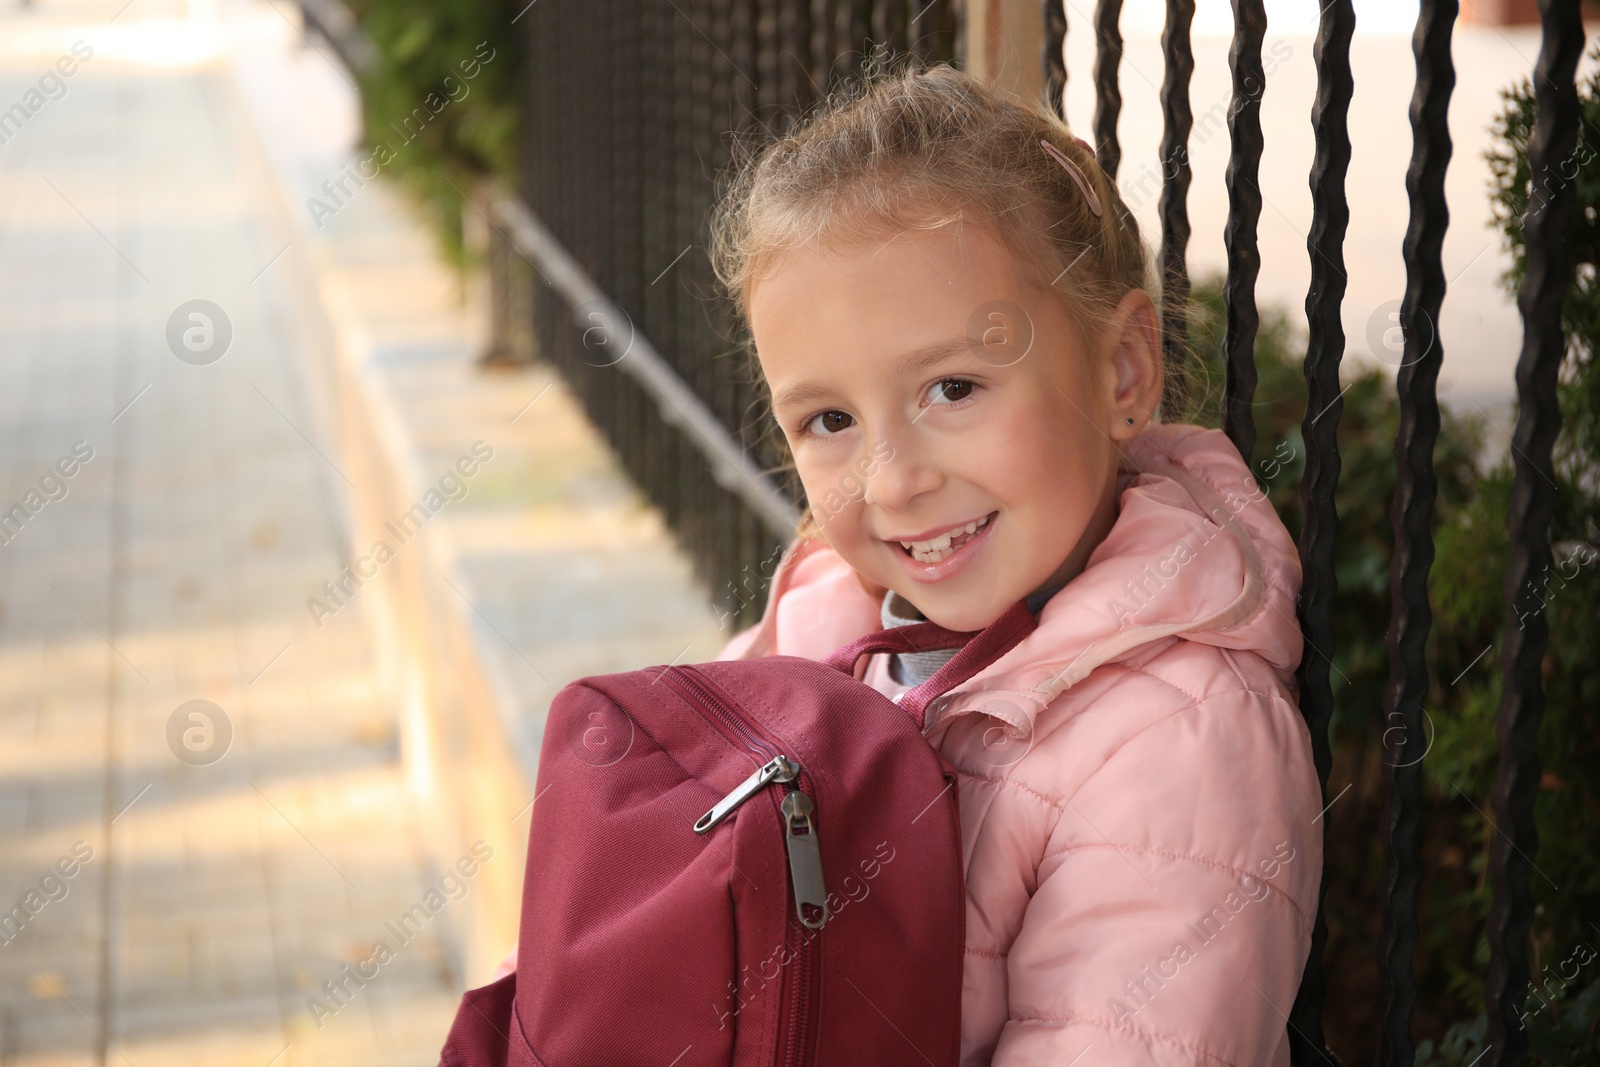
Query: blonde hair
[{"x": 908, "y": 149}]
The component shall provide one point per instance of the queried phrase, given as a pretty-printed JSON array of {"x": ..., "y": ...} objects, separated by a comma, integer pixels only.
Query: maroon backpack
[{"x": 740, "y": 863}]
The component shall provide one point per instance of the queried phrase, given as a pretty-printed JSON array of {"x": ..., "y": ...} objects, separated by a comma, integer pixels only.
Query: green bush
[
  {"x": 442, "y": 135},
  {"x": 1468, "y": 627},
  {"x": 1563, "y": 1024},
  {"x": 1366, "y": 483},
  {"x": 1469, "y": 624}
]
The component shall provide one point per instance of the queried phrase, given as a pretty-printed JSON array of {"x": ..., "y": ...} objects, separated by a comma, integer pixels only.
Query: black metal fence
[
  {"x": 627, "y": 109},
  {"x": 630, "y": 108}
]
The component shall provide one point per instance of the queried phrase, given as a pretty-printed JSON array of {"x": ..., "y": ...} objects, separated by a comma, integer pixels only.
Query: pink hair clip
[{"x": 1077, "y": 175}]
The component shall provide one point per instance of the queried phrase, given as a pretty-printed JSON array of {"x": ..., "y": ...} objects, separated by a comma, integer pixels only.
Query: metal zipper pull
[
  {"x": 805, "y": 860},
  {"x": 779, "y": 769}
]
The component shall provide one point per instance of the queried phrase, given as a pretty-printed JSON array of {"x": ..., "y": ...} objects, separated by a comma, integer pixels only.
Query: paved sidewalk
[
  {"x": 219, "y": 897},
  {"x": 552, "y": 549},
  {"x": 219, "y": 882}
]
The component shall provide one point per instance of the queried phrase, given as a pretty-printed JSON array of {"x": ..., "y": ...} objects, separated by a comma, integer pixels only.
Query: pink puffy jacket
[{"x": 1140, "y": 813}]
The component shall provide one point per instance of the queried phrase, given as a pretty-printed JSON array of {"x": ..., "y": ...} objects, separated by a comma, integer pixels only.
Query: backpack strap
[{"x": 979, "y": 649}]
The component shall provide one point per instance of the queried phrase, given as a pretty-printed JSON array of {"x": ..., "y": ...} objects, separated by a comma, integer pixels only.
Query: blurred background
[{"x": 363, "y": 382}]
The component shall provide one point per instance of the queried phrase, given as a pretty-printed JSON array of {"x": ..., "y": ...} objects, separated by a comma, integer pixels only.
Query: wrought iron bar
[
  {"x": 658, "y": 303},
  {"x": 850, "y": 32},
  {"x": 584, "y": 222},
  {"x": 591, "y": 229},
  {"x": 733, "y": 398},
  {"x": 1411, "y": 615},
  {"x": 1544, "y": 289},
  {"x": 708, "y": 378},
  {"x": 1320, "y": 431},
  {"x": 1177, "y": 120},
  {"x": 616, "y": 272},
  {"x": 534, "y": 165},
  {"x": 1107, "y": 93},
  {"x": 565, "y": 100},
  {"x": 922, "y": 32},
  {"x": 697, "y": 71},
  {"x": 769, "y": 98},
  {"x": 889, "y": 24},
  {"x": 691, "y": 355},
  {"x": 1055, "y": 57},
  {"x": 962, "y": 60},
  {"x": 1244, "y": 213},
  {"x": 793, "y": 70},
  {"x": 677, "y": 404},
  {"x": 822, "y": 44},
  {"x": 676, "y": 490},
  {"x": 929, "y": 29}
]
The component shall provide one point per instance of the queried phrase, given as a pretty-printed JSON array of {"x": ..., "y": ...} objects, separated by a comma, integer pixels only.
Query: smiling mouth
[{"x": 946, "y": 544}]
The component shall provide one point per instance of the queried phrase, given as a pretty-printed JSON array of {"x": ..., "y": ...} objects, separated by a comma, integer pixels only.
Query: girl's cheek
[{"x": 832, "y": 492}]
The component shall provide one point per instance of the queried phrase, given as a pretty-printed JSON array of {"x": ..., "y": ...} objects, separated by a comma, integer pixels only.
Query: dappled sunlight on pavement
[{"x": 227, "y": 859}]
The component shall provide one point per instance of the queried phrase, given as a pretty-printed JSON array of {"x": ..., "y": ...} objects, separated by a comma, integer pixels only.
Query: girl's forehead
[
  {"x": 952, "y": 265},
  {"x": 863, "y": 303},
  {"x": 899, "y": 308}
]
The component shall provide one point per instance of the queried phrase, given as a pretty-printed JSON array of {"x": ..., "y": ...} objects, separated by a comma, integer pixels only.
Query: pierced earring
[{"x": 1130, "y": 420}]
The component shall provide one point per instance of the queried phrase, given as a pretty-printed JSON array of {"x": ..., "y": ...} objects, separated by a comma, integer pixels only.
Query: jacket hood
[{"x": 1197, "y": 553}]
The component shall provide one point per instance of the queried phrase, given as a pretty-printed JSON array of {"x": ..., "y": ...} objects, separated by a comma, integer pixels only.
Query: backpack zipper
[
  {"x": 800, "y": 842},
  {"x": 805, "y": 859},
  {"x": 799, "y": 832},
  {"x": 778, "y": 769},
  {"x": 802, "y": 949},
  {"x": 711, "y": 700}
]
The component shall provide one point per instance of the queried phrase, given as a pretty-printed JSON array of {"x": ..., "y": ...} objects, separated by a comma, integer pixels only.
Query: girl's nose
[{"x": 897, "y": 474}]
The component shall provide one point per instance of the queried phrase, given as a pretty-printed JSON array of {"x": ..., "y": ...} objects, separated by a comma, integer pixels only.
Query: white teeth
[{"x": 937, "y": 548}]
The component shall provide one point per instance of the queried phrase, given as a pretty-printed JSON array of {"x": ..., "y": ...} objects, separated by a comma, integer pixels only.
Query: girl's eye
[
  {"x": 827, "y": 423},
  {"x": 950, "y": 391}
]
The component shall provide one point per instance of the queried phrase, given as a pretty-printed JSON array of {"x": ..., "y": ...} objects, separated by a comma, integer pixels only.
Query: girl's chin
[
  {"x": 966, "y": 619},
  {"x": 967, "y": 614}
]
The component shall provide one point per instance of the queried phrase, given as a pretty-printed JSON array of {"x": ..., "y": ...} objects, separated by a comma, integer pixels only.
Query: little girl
[{"x": 949, "y": 303}]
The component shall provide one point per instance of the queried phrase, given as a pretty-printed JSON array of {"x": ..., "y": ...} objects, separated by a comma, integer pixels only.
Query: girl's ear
[{"x": 1135, "y": 366}]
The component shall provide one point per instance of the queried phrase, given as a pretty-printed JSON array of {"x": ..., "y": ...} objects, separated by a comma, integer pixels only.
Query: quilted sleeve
[{"x": 1171, "y": 918}]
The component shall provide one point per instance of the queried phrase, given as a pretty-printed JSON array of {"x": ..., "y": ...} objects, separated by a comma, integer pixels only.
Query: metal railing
[
  {"x": 1538, "y": 421},
  {"x": 607, "y": 330},
  {"x": 630, "y": 109}
]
